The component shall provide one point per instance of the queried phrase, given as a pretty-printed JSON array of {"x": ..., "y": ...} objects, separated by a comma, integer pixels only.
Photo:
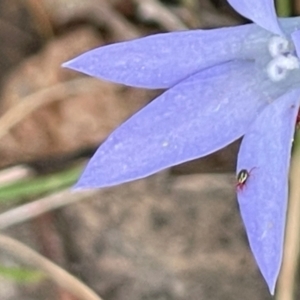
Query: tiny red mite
[{"x": 242, "y": 178}]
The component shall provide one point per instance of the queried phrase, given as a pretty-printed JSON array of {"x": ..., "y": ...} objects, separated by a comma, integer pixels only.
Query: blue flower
[{"x": 221, "y": 84}]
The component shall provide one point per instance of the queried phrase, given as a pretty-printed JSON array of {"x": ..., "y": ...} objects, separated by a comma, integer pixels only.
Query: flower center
[{"x": 284, "y": 58}]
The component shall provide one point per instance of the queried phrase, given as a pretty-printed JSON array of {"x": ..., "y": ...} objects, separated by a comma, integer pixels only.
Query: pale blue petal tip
[
  {"x": 65, "y": 65},
  {"x": 272, "y": 287},
  {"x": 78, "y": 187}
]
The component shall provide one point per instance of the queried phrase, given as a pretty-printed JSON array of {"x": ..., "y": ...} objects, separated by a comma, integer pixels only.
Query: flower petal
[
  {"x": 266, "y": 151},
  {"x": 163, "y": 60},
  {"x": 198, "y": 116},
  {"x": 296, "y": 39},
  {"x": 261, "y": 12}
]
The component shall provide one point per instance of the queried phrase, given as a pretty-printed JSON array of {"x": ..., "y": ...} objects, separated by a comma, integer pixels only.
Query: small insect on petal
[{"x": 242, "y": 178}]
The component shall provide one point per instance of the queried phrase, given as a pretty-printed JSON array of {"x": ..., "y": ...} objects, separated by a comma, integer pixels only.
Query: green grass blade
[
  {"x": 21, "y": 275},
  {"x": 34, "y": 187}
]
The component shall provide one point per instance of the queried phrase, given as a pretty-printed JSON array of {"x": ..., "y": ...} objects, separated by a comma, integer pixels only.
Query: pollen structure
[{"x": 284, "y": 58}]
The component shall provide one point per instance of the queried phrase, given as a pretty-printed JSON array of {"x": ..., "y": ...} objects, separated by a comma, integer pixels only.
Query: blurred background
[{"x": 174, "y": 235}]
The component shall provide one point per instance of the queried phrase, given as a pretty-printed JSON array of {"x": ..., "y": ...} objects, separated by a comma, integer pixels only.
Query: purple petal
[
  {"x": 196, "y": 117},
  {"x": 163, "y": 60},
  {"x": 296, "y": 39},
  {"x": 266, "y": 151},
  {"x": 261, "y": 12}
]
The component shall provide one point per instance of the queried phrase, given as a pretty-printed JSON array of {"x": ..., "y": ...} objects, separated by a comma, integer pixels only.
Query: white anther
[
  {"x": 279, "y": 66},
  {"x": 290, "y": 62},
  {"x": 278, "y": 45},
  {"x": 275, "y": 71}
]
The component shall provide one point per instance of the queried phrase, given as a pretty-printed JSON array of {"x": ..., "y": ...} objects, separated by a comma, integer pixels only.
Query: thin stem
[
  {"x": 284, "y": 8},
  {"x": 34, "y": 209},
  {"x": 54, "y": 272},
  {"x": 154, "y": 10},
  {"x": 31, "y": 188},
  {"x": 288, "y": 274},
  {"x": 32, "y": 102}
]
